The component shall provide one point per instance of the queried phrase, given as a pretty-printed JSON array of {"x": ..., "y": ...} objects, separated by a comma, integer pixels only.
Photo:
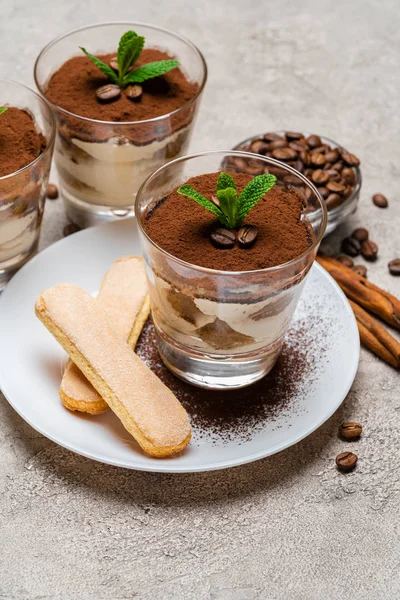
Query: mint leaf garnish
[
  {"x": 189, "y": 192},
  {"x": 3, "y": 110},
  {"x": 232, "y": 209},
  {"x": 225, "y": 181},
  {"x": 112, "y": 76},
  {"x": 149, "y": 71},
  {"x": 129, "y": 49},
  {"x": 253, "y": 192}
]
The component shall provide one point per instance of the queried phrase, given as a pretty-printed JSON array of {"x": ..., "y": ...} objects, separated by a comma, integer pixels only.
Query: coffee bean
[
  {"x": 320, "y": 177},
  {"x": 114, "y": 64},
  {"x": 270, "y": 137},
  {"x": 350, "y": 160},
  {"x": 327, "y": 166},
  {"x": 346, "y": 261},
  {"x": 351, "y": 246},
  {"x": 346, "y": 461},
  {"x": 247, "y": 236},
  {"x": 298, "y": 146},
  {"x": 318, "y": 159},
  {"x": 380, "y": 200},
  {"x": 304, "y": 156},
  {"x": 292, "y": 180},
  {"x": 299, "y": 166},
  {"x": 394, "y": 266},
  {"x": 70, "y": 229},
  {"x": 239, "y": 164},
  {"x": 348, "y": 175},
  {"x": 361, "y": 270},
  {"x": 333, "y": 174},
  {"x": 284, "y": 154},
  {"x": 319, "y": 149},
  {"x": 223, "y": 238},
  {"x": 350, "y": 431},
  {"x": 369, "y": 250},
  {"x": 293, "y": 135},
  {"x": 275, "y": 144},
  {"x": 360, "y": 234},
  {"x": 108, "y": 92},
  {"x": 313, "y": 141},
  {"x": 52, "y": 191},
  {"x": 332, "y": 155},
  {"x": 258, "y": 147},
  {"x": 335, "y": 187},
  {"x": 338, "y": 166},
  {"x": 333, "y": 201},
  {"x": 134, "y": 92},
  {"x": 324, "y": 192},
  {"x": 347, "y": 191}
]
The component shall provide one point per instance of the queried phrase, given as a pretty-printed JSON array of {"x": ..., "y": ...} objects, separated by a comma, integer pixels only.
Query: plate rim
[{"x": 225, "y": 464}]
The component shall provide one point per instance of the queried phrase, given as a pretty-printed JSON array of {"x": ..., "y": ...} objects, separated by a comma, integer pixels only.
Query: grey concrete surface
[{"x": 289, "y": 527}]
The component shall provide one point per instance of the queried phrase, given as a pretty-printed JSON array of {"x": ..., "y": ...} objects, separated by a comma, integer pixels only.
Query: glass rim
[
  {"x": 130, "y": 24},
  {"x": 357, "y": 186},
  {"x": 49, "y": 139},
  {"x": 239, "y": 154}
]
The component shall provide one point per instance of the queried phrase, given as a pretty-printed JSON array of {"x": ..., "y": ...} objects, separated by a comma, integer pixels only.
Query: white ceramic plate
[{"x": 31, "y": 363}]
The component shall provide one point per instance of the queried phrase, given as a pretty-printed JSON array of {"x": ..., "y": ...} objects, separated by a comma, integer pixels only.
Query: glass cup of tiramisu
[
  {"x": 27, "y": 132},
  {"x": 125, "y": 96},
  {"x": 227, "y": 255}
]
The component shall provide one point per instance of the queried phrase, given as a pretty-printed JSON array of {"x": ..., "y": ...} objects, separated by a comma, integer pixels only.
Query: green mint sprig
[
  {"x": 129, "y": 49},
  {"x": 232, "y": 209},
  {"x": 3, "y": 109}
]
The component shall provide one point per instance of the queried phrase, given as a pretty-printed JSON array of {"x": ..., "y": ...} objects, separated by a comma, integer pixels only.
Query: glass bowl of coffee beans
[{"x": 333, "y": 170}]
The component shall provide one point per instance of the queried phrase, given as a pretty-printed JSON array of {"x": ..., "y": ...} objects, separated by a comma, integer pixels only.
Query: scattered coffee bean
[
  {"x": 108, "y": 92},
  {"x": 335, "y": 187},
  {"x": 293, "y": 135},
  {"x": 314, "y": 141},
  {"x": 361, "y": 270},
  {"x": 333, "y": 201},
  {"x": 114, "y": 64},
  {"x": 247, "y": 236},
  {"x": 70, "y": 229},
  {"x": 394, "y": 266},
  {"x": 52, "y": 191},
  {"x": 350, "y": 431},
  {"x": 320, "y": 177},
  {"x": 317, "y": 159},
  {"x": 360, "y": 234},
  {"x": 380, "y": 201},
  {"x": 369, "y": 250},
  {"x": 346, "y": 461},
  {"x": 134, "y": 92},
  {"x": 223, "y": 238},
  {"x": 346, "y": 261},
  {"x": 351, "y": 246},
  {"x": 350, "y": 160},
  {"x": 284, "y": 154}
]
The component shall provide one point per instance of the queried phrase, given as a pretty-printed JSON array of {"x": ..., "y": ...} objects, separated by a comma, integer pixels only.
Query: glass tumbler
[
  {"x": 23, "y": 193},
  {"x": 223, "y": 329},
  {"x": 102, "y": 164}
]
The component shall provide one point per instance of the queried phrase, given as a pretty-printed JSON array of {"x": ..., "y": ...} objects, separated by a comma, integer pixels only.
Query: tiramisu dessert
[
  {"x": 23, "y": 182},
  {"x": 121, "y": 114},
  {"x": 236, "y": 283}
]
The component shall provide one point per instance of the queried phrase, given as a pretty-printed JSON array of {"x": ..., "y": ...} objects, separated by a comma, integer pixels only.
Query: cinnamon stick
[
  {"x": 362, "y": 291},
  {"x": 375, "y": 337}
]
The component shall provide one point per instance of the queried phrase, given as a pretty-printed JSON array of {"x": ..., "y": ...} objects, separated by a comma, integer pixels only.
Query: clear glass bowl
[
  {"x": 222, "y": 329},
  {"x": 348, "y": 207},
  {"x": 23, "y": 193},
  {"x": 102, "y": 164}
]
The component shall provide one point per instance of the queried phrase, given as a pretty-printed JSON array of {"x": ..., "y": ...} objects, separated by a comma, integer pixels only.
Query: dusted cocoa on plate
[
  {"x": 26, "y": 141},
  {"x": 125, "y": 100},
  {"x": 228, "y": 254}
]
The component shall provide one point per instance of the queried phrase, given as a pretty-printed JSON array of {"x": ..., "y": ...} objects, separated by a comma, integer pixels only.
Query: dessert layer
[
  {"x": 182, "y": 227},
  {"x": 20, "y": 141},
  {"x": 73, "y": 88}
]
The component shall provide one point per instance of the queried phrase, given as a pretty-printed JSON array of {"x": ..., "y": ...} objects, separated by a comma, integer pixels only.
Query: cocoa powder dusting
[
  {"x": 182, "y": 227},
  {"x": 238, "y": 414},
  {"x": 20, "y": 141},
  {"x": 73, "y": 88}
]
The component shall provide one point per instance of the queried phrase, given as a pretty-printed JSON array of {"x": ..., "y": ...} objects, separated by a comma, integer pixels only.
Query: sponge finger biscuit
[
  {"x": 145, "y": 406},
  {"x": 123, "y": 295}
]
